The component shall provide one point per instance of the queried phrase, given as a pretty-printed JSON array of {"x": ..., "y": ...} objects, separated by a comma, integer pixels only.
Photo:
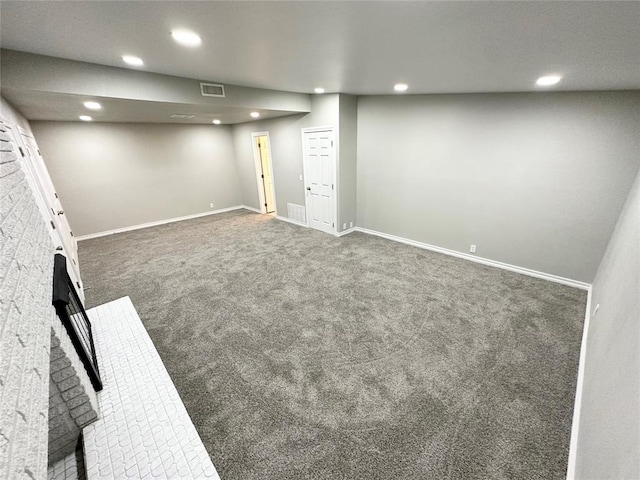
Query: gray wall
[
  {"x": 27, "y": 75},
  {"x": 535, "y": 180},
  {"x": 111, "y": 175},
  {"x": 286, "y": 151},
  {"x": 609, "y": 435},
  {"x": 347, "y": 160}
]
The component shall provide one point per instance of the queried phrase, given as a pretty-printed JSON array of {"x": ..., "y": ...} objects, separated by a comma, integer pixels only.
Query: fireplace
[{"x": 74, "y": 376}]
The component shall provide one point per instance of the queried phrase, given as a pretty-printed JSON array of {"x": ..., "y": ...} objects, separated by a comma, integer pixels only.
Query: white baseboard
[
  {"x": 577, "y": 405},
  {"x": 295, "y": 222},
  {"x": 247, "y": 207},
  {"x": 485, "y": 261},
  {"x": 159, "y": 222},
  {"x": 346, "y": 232}
]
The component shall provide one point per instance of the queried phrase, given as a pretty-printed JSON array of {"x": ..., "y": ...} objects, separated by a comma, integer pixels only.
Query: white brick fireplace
[{"x": 46, "y": 394}]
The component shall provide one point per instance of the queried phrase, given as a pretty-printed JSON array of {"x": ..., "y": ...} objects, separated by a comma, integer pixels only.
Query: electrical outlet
[
  {"x": 350, "y": 224},
  {"x": 300, "y": 177},
  {"x": 211, "y": 205},
  {"x": 473, "y": 249},
  {"x": 344, "y": 226}
]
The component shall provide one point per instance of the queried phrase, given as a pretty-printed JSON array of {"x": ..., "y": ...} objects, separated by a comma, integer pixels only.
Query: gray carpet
[{"x": 304, "y": 356}]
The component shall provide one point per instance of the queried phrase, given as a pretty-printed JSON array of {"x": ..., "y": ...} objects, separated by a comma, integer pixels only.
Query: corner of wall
[{"x": 607, "y": 440}]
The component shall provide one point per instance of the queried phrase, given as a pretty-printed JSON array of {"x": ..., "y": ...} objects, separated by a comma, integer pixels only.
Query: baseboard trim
[
  {"x": 484, "y": 261},
  {"x": 346, "y": 232},
  {"x": 159, "y": 222},
  {"x": 577, "y": 405},
  {"x": 247, "y": 207},
  {"x": 295, "y": 222}
]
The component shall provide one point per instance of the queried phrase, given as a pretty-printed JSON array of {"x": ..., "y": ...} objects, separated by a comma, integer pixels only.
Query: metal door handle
[
  {"x": 309, "y": 188},
  {"x": 60, "y": 212}
]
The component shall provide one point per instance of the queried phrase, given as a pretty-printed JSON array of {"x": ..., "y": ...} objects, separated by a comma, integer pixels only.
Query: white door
[
  {"x": 267, "y": 175},
  {"x": 319, "y": 173},
  {"x": 63, "y": 238}
]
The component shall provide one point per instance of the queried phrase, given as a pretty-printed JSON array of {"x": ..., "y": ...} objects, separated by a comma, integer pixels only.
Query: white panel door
[
  {"x": 64, "y": 240},
  {"x": 319, "y": 167}
]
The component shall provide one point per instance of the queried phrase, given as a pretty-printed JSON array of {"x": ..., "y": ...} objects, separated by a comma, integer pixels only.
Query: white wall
[
  {"x": 286, "y": 151},
  {"x": 116, "y": 175},
  {"x": 535, "y": 180},
  {"x": 609, "y": 428}
]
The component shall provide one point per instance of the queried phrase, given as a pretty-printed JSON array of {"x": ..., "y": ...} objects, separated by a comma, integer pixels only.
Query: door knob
[
  {"x": 309, "y": 188},
  {"x": 60, "y": 212}
]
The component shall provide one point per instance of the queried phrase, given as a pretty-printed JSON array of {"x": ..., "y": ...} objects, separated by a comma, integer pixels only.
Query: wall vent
[
  {"x": 182, "y": 116},
  {"x": 296, "y": 212},
  {"x": 211, "y": 90}
]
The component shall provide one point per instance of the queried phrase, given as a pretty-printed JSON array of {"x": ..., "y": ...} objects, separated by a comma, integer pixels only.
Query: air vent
[
  {"x": 296, "y": 212},
  {"x": 211, "y": 90},
  {"x": 182, "y": 116}
]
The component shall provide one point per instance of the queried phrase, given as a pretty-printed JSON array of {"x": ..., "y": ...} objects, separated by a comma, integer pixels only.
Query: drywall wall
[
  {"x": 286, "y": 151},
  {"x": 609, "y": 428},
  {"x": 116, "y": 175},
  {"x": 50, "y": 88},
  {"x": 347, "y": 160},
  {"x": 535, "y": 180}
]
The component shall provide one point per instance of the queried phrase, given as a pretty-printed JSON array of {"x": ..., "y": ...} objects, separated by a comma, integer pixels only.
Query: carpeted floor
[{"x": 300, "y": 355}]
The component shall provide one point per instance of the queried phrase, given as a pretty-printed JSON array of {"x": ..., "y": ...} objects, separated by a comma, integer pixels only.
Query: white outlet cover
[
  {"x": 350, "y": 224},
  {"x": 300, "y": 177}
]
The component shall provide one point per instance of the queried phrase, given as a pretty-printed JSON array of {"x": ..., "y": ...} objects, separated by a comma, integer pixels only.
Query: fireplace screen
[{"x": 75, "y": 320}]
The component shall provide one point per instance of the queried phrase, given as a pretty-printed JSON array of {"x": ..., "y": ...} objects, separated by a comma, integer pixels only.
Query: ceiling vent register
[{"x": 211, "y": 90}]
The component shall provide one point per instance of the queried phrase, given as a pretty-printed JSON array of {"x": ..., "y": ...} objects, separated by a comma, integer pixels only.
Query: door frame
[
  {"x": 334, "y": 173},
  {"x": 258, "y": 167}
]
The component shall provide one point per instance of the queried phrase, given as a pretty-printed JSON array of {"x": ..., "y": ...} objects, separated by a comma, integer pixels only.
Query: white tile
[{"x": 144, "y": 430}]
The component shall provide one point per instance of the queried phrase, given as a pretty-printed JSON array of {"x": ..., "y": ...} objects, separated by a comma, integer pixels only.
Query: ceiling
[
  {"x": 351, "y": 47},
  {"x": 62, "y": 107}
]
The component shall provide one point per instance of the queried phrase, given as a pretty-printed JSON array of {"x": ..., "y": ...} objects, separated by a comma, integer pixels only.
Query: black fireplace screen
[{"x": 75, "y": 320}]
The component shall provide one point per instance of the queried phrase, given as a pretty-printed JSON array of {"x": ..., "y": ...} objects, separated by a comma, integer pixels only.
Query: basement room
[{"x": 320, "y": 240}]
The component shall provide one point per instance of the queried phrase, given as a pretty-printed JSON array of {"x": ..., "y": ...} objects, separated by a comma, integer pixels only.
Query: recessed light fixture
[
  {"x": 93, "y": 105},
  {"x": 217, "y": 122},
  {"x": 186, "y": 38},
  {"x": 85, "y": 118},
  {"x": 255, "y": 114},
  {"x": 319, "y": 90},
  {"x": 400, "y": 87},
  {"x": 131, "y": 60},
  {"x": 548, "y": 80}
]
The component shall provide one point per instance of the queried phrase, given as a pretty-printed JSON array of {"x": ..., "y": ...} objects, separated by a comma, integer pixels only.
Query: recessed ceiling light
[
  {"x": 217, "y": 122},
  {"x": 85, "y": 118},
  {"x": 400, "y": 87},
  {"x": 131, "y": 60},
  {"x": 255, "y": 114},
  {"x": 319, "y": 90},
  {"x": 93, "y": 105},
  {"x": 186, "y": 38},
  {"x": 548, "y": 80}
]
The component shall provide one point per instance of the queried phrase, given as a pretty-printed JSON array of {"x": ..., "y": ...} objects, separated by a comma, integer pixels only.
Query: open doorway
[{"x": 264, "y": 171}]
